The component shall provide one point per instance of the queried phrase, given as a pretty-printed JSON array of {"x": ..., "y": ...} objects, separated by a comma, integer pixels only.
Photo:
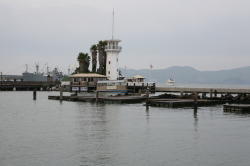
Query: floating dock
[
  {"x": 110, "y": 99},
  {"x": 178, "y": 103},
  {"x": 213, "y": 92},
  {"x": 240, "y": 108}
]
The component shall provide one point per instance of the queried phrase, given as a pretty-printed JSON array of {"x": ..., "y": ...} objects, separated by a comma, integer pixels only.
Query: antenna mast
[
  {"x": 113, "y": 23},
  {"x": 26, "y": 66}
]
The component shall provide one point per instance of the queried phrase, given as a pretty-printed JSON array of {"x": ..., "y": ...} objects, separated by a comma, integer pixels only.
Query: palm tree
[
  {"x": 83, "y": 60},
  {"x": 102, "y": 57},
  {"x": 93, "y": 50}
]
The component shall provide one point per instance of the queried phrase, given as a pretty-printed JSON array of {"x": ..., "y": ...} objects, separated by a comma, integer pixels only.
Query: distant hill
[{"x": 188, "y": 75}]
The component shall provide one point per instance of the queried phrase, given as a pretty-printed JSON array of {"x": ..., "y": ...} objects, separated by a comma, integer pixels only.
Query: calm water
[{"x": 50, "y": 133}]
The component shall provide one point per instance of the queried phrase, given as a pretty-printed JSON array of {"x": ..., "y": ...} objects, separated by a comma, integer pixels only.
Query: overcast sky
[{"x": 205, "y": 34}]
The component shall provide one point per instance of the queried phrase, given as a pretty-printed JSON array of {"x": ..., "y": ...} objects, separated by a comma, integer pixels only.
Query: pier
[
  {"x": 211, "y": 91},
  {"x": 180, "y": 103},
  {"x": 239, "y": 108},
  {"x": 110, "y": 99},
  {"x": 26, "y": 85}
]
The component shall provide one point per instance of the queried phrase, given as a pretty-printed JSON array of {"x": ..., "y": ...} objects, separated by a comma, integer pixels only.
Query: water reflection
[
  {"x": 95, "y": 143},
  {"x": 147, "y": 114},
  {"x": 195, "y": 115}
]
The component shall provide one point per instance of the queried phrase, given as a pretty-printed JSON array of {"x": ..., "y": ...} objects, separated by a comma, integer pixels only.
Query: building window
[
  {"x": 109, "y": 72},
  {"x": 109, "y": 62},
  {"x": 116, "y": 59}
]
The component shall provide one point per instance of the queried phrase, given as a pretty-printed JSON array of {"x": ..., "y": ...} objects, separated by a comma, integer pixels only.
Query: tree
[
  {"x": 83, "y": 60},
  {"x": 93, "y": 50},
  {"x": 102, "y": 57}
]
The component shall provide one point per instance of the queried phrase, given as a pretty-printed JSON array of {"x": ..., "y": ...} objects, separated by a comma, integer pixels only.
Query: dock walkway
[
  {"x": 242, "y": 108},
  {"x": 203, "y": 90},
  {"x": 177, "y": 103},
  {"x": 110, "y": 99}
]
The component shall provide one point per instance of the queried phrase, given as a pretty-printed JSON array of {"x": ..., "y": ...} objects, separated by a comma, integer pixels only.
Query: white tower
[
  {"x": 112, "y": 50},
  {"x": 112, "y": 62}
]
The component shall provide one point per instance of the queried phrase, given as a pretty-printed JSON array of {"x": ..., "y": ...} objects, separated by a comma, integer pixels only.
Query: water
[
  {"x": 230, "y": 86},
  {"x": 49, "y": 133}
]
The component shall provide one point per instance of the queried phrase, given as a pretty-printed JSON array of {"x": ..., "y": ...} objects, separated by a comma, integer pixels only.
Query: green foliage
[
  {"x": 84, "y": 61},
  {"x": 102, "y": 57},
  {"x": 93, "y": 50}
]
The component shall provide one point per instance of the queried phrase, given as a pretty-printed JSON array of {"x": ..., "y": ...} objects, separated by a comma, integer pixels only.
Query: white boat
[{"x": 170, "y": 82}]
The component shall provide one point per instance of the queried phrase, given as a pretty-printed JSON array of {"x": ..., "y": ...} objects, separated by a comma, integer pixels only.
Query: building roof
[
  {"x": 138, "y": 76},
  {"x": 93, "y": 75}
]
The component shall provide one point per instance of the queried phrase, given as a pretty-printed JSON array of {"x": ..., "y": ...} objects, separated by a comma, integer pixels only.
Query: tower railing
[{"x": 115, "y": 48}]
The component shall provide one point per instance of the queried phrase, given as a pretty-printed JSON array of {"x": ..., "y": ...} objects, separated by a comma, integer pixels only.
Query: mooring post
[
  {"x": 195, "y": 100},
  {"x": 34, "y": 95},
  {"x": 147, "y": 97},
  {"x": 215, "y": 93},
  {"x": 61, "y": 94},
  {"x": 204, "y": 95},
  {"x": 134, "y": 87},
  {"x": 211, "y": 93},
  {"x": 1, "y": 79},
  {"x": 181, "y": 93},
  {"x": 97, "y": 95}
]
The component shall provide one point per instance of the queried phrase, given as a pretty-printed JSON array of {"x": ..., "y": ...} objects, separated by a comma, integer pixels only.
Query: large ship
[{"x": 54, "y": 75}]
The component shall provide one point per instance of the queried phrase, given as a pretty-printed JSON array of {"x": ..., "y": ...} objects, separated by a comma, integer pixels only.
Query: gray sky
[{"x": 205, "y": 34}]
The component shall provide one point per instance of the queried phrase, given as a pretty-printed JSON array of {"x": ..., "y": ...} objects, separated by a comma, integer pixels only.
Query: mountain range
[{"x": 190, "y": 75}]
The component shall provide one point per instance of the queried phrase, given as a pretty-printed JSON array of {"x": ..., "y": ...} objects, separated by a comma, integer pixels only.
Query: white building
[{"x": 112, "y": 62}]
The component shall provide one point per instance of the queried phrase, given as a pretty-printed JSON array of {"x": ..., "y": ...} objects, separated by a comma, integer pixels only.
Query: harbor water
[{"x": 46, "y": 132}]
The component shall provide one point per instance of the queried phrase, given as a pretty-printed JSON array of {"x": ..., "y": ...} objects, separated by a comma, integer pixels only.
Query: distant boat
[{"x": 171, "y": 82}]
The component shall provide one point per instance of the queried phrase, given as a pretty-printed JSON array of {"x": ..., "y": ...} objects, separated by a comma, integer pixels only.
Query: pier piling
[
  {"x": 97, "y": 95},
  {"x": 61, "y": 94},
  {"x": 34, "y": 95}
]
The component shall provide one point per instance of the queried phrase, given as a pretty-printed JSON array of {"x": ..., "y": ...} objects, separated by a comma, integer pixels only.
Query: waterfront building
[
  {"x": 85, "y": 82},
  {"x": 112, "y": 86}
]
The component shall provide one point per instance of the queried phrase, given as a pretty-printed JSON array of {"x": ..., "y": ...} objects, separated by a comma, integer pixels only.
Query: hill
[{"x": 186, "y": 74}]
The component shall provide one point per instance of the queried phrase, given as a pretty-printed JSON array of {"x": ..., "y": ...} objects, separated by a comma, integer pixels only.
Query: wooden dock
[
  {"x": 203, "y": 90},
  {"x": 111, "y": 99},
  {"x": 213, "y": 92},
  {"x": 178, "y": 103},
  {"x": 26, "y": 85},
  {"x": 240, "y": 108}
]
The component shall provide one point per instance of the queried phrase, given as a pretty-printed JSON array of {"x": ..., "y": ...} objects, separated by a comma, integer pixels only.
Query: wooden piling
[
  {"x": 211, "y": 93},
  {"x": 195, "y": 100},
  {"x": 134, "y": 87},
  {"x": 147, "y": 98},
  {"x": 204, "y": 95},
  {"x": 181, "y": 93},
  {"x": 34, "y": 95},
  {"x": 97, "y": 96},
  {"x": 61, "y": 94}
]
